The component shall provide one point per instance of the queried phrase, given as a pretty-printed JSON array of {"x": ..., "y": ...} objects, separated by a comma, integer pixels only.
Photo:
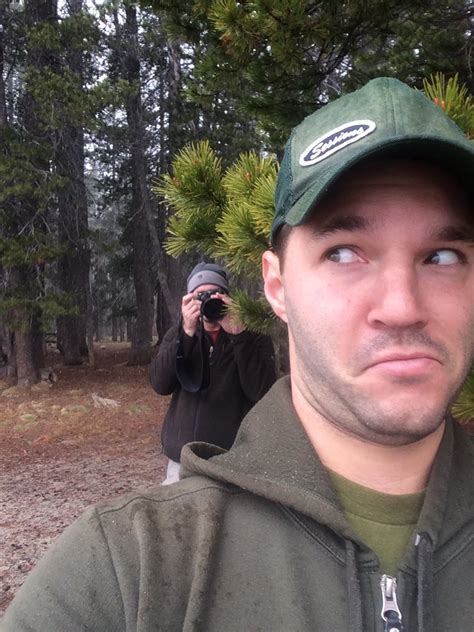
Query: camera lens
[{"x": 213, "y": 308}]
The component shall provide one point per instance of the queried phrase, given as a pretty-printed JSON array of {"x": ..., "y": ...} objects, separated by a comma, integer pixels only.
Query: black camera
[{"x": 211, "y": 307}]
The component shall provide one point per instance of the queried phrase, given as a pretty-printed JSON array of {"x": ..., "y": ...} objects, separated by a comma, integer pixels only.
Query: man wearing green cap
[{"x": 346, "y": 501}]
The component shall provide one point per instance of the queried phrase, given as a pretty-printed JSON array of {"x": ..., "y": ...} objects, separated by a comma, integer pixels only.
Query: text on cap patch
[{"x": 334, "y": 140}]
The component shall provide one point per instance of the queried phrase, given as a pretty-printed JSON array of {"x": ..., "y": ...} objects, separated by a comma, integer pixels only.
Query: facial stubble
[{"x": 347, "y": 406}]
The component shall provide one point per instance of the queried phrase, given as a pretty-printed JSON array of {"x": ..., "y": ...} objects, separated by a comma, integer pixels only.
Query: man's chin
[
  {"x": 403, "y": 426},
  {"x": 411, "y": 395}
]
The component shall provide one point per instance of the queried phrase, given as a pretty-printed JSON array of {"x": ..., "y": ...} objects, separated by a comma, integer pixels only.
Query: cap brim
[{"x": 455, "y": 157}]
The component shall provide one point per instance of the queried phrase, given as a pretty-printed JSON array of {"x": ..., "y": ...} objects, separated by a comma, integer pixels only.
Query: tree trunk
[
  {"x": 136, "y": 125},
  {"x": 97, "y": 314},
  {"x": 176, "y": 270},
  {"x": 140, "y": 350},
  {"x": 73, "y": 224},
  {"x": 90, "y": 325},
  {"x": 37, "y": 341},
  {"x": 144, "y": 237},
  {"x": 25, "y": 350},
  {"x": 26, "y": 371},
  {"x": 28, "y": 337},
  {"x": 3, "y": 103},
  {"x": 115, "y": 317},
  {"x": 174, "y": 104},
  {"x": 8, "y": 348},
  {"x": 115, "y": 324},
  {"x": 129, "y": 328},
  {"x": 73, "y": 265}
]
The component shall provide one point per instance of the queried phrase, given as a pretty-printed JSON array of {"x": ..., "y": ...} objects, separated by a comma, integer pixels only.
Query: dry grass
[{"x": 61, "y": 451}]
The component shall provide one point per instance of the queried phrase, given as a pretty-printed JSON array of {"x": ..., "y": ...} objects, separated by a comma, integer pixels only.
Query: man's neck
[
  {"x": 389, "y": 469},
  {"x": 211, "y": 327}
]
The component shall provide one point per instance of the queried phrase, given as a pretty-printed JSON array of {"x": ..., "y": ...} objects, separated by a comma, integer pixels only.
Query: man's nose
[{"x": 397, "y": 301}]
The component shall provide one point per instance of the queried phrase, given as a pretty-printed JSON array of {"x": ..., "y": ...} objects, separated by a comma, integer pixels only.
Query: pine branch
[
  {"x": 196, "y": 195},
  {"x": 238, "y": 242},
  {"x": 244, "y": 175},
  {"x": 452, "y": 98},
  {"x": 244, "y": 228},
  {"x": 195, "y": 234},
  {"x": 255, "y": 313},
  {"x": 195, "y": 185},
  {"x": 223, "y": 216},
  {"x": 463, "y": 408}
]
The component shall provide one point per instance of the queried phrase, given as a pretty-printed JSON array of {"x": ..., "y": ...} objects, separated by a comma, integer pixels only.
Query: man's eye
[
  {"x": 445, "y": 257},
  {"x": 343, "y": 255}
]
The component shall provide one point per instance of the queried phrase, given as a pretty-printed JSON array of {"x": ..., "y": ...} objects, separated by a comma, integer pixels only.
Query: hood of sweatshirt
[{"x": 272, "y": 457}]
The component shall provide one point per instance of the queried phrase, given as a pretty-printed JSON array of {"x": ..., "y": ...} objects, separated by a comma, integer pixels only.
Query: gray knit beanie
[{"x": 205, "y": 273}]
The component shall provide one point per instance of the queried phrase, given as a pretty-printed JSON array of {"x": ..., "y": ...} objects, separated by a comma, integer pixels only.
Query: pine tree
[
  {"x": 41, "y": 172},
  {"x": 66, "y": 111},
  {"x": 282, "y": 60},
  {"x": 25, "y": 190}
]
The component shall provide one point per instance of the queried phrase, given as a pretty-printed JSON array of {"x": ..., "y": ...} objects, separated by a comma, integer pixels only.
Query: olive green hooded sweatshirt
[{"x": 254, "y": 539}]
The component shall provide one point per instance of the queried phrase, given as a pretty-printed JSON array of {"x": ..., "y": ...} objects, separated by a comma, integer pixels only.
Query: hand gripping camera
[{"x": 211, "y": 307}]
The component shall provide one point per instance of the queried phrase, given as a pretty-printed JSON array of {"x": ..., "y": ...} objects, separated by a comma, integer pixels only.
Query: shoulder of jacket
[
  {"x": 170, "y": 337},
  {"x": 189, "y": 491}
]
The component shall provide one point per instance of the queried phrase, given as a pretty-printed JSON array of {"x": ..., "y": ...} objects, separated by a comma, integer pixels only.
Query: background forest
[{"x": 97, "y": 102}]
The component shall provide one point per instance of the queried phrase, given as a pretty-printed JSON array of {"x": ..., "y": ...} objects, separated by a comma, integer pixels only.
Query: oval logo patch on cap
[{"x": 336, "y": 139}]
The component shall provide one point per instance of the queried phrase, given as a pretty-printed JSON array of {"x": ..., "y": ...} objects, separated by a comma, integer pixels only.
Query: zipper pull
[
  {"x": 390, "y": 611},
  {"x": 211, "y": 349}
]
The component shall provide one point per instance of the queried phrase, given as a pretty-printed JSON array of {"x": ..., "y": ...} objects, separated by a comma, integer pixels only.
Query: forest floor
[{"x": 63, "y": 448}]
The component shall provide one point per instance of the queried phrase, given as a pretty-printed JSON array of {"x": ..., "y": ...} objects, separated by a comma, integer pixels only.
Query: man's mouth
[{"x": 409, "y": 364}]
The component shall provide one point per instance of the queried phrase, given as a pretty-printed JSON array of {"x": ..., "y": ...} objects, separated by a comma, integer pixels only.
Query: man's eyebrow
[
  {"x": 455, "y": 233},
  {"x": 344, "y": 222}
]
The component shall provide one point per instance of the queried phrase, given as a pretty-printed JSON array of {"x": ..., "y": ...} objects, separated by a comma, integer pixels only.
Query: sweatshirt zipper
[
  {"x": 211, "y": 350},
  {"x": 390, "y": 611}
]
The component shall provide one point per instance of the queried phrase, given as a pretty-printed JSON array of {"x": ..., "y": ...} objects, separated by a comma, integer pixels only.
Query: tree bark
[
  {"x": 173, "y": 132},
  {"x": 73, "y": 223},
  {"x": 174, "y": 102},
  {"x": 137, "y": 139},
  {"x": 140, "y": 350},
  {"x": 28, "y": 339},
  {"x": 147, "y": 248},
  {"x": 25, "y": 350},
  {"x": 129, "y": 328},
  {"x": 3, "y": 103},
  {"x": 115, "y": 323},
  {"x": 90, "y": 325},
  {"x": 26, "y": 371}
]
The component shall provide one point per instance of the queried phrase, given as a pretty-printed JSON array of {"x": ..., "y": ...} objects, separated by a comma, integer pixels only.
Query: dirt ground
[{"x": 92, "y": 434}]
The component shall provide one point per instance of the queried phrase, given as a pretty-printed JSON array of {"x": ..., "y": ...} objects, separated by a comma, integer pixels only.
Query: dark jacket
[
  {"x": 254, "y": 539},
  {"x": 241, "y": 370}
]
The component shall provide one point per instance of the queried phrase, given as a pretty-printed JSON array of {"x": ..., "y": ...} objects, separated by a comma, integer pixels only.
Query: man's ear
[{"x": 273, "y": 284}]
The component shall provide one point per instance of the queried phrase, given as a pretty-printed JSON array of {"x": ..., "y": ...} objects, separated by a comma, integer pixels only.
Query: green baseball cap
[{"x": 384, "y": 117}]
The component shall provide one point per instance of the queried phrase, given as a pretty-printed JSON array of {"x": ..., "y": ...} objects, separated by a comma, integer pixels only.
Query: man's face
[{"x": 378, "y": 293}]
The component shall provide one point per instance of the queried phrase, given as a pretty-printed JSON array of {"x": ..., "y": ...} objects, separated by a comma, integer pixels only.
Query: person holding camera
[{"x": 215, "y": 369}]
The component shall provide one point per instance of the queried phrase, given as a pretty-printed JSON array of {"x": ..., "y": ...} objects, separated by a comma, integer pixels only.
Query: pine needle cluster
[
  {"x": 195, "y": 193},
  {"x": 224, "y": 215},
  {"x": 453, "y": 98},
  {"x": 463, "y": 408},
  {"x": 244, "y": 227},
  {"x": 255, "y": 313}
]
